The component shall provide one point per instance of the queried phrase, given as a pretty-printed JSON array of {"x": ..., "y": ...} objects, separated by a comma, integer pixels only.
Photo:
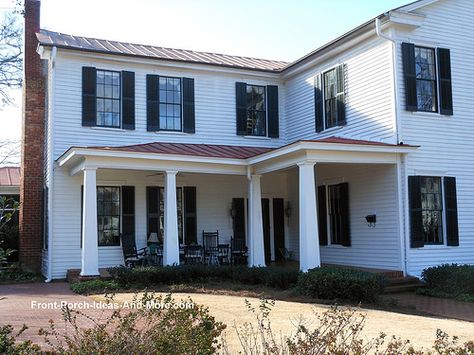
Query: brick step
[
  {"x": 403, "y": 284},
  {"x": 74, "y": 275}
]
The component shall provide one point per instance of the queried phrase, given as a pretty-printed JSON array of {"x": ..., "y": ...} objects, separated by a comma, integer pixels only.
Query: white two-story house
[{"x": 359, "y": 153}]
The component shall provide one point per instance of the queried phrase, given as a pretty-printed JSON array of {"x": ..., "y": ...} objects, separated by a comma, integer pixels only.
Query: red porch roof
[
  {"x": 224, "y": 151},
  {"x": 10, "y": 176}
]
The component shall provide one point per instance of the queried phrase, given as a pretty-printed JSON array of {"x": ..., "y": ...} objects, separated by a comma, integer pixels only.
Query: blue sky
[{"x": 273, "y": 29}]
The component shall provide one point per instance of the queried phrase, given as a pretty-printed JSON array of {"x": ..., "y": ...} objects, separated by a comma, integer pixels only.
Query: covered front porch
[{"x": 270, "y": 198}]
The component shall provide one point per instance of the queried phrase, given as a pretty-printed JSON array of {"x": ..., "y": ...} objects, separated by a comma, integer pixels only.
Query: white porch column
[
  {"x": 309, "y": 236},
  {"x": 170, "y": 240},
  {"x": 255, "y": 221},
  {"x": 90, "y": 249}
]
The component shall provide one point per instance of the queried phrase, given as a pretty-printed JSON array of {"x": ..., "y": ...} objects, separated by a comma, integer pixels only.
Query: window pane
[
  {"x": 108, "y": 87},
  {"x": 432, "y": 209},
  {"x": 170, "y": 107},
  {"x": 108, "y": 215}
]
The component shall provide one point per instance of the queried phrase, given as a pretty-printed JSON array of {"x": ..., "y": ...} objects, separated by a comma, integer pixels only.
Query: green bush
[
  {"x": 94, "y": 286},
  {"x": 341, "y": 283},
  {"x": 153, "y": 275},
  {"x": 449, "y": 280}
]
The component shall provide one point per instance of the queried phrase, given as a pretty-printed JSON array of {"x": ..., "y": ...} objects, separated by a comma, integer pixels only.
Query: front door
[{"x": 266, "y": 229}]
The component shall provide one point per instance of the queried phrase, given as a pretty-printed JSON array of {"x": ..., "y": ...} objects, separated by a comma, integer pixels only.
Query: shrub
[
  {"x": 341, "y": 283},
  {"x": 449, "y": 280},
  {"x": 9, "y": 343},
  {"x": 94, "y": 286},
  {"x": 141, "y": 330},
  {"x": 153, "y": 275}
]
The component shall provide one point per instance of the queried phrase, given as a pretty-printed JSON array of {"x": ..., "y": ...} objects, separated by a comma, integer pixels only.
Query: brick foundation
[{"x": 32, "y": 156}]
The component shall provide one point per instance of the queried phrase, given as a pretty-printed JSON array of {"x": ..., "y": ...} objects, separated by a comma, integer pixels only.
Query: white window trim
[
  {"x": 321, "y": 74},
  {"x": 265, "y": 137},
  {"x": 326, "y": 184}
]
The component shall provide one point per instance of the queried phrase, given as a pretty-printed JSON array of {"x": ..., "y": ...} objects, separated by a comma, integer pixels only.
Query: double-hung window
[
  {"x": 433, "y": 211},
  {"x": 170, "y": 104},
  {"x": 329, "y": 99},
  {"x": 108, "y": 215},
  {"x": 256, "y": 113},
  {"x": 108, "y": 98},
  {"x": 427, "y": 76},
  {"x": 426, "y": 92}
]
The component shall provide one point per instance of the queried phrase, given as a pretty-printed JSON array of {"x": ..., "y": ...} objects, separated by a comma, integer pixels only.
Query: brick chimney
[{"x": 32, "y": 155}]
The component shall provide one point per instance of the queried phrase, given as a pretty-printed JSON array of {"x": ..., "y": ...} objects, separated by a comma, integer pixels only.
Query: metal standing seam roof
[
  {"x": 61, "y": 40},
  {"x": 10, "y": 176},
  {"x": 221, "y": 151}
]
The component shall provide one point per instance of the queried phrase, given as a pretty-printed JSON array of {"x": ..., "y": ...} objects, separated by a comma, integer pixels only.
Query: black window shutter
[
  {"x": 89, "y": 87},
  {"x": 345, "y": 217},
  {"x": 238, "y": 218},
  {"x": 188, "y": 106},
  {"x": 190, "y": 215},
  {"x": 341, "y": 96},
  {"x": 272, "y": 111},
  {"x": 152, "y": 102},
  {"x": 241, "y": 106},
  {"x": 444, "y": 83},
  {"x": 128, "y": 100},
  {"x": 417, "y": 239},
  {"x": 409, "y": 73},
  {"x": 152, "y": 210},
  {"x": 128, "y": 210},
  {"x": 322, "y": 216},
  {"x": 318, "y": 103},
  {"x": 451, "y": 203}
]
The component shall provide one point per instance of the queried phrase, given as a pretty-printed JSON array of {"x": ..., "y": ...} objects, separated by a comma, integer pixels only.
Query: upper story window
[
  {"x": 427, "y": 76},
  {"x": 256, "y": 113},
  {"x": 108, "y": 98},
  {"x": 170, "y": 104},
  {"x": 425, "y": 66},
  {"x": 329, "y": 99}
]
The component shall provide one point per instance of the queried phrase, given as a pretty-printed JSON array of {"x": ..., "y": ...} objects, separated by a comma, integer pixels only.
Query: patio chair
[
  {"x": 193, "y": 254},
  {"x": 210, "y": 241},
  {"x": 238, "y": 251},
  {"x": 131, "y": 256},
  {"x": 223, "y": 254}
]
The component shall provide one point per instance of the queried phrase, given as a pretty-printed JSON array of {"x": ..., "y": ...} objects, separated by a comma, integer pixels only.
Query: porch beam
[
  {"x": 308, "y": 228},
  {"x": 256, "y": 244},
  {"x": 170, "y": 240},
  {"x": 90, "y": 249}
]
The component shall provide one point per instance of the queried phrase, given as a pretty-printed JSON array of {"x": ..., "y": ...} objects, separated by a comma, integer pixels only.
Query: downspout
[
  {"x": 400, "y": 159},
  {"x": 51, "y": 167}
]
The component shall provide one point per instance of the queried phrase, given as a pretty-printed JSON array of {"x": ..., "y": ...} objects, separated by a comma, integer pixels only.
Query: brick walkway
[
  {"x": 16, "y": 307},
  {"x": 443, "y": 307}
]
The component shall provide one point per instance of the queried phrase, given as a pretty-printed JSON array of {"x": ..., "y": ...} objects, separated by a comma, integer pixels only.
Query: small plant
[
  {"x": 9, "y": 343},
  {"x": 94, "y": 286},
  {"x": 333, "y": 283}
]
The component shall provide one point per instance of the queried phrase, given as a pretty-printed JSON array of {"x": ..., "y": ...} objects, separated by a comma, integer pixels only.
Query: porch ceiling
[{"x": 224, "y": 159}]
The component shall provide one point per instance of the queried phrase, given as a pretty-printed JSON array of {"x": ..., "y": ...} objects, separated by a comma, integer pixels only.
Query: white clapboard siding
[
  {"x": 372, "y": 189},
  {"x": 369, "y": 89},
  {"x": 214, "y": 107},
  {"x": 446, "y": 141}
]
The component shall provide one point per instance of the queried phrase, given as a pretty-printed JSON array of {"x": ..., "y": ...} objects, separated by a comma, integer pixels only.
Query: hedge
[
  {"x": 341, "y": 283},
  {"x": 449, "y": 280}
]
